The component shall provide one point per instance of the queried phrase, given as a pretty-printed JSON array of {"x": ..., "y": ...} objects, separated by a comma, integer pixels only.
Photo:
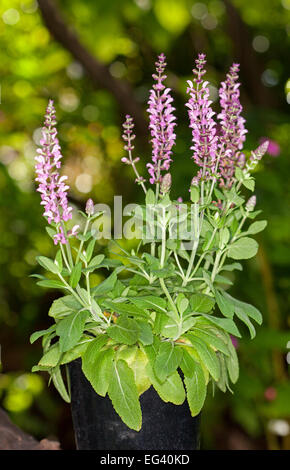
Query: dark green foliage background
[{"x": 126, "y": 36}]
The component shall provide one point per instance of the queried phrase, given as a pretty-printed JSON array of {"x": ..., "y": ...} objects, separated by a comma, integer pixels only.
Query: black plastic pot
[{"x": 98, "y": 427}]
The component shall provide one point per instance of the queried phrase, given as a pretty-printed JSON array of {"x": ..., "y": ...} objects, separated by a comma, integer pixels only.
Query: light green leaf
[
  {"x": 48, "y": 264},
  {"x": 70, "y": 329},
  {"x": 167, "y": 360},
  {"x": 96, "y": 261},
  {"x": 201, "y": 303},
  {"x": 257, "y": 227},
  {"x": 59, "y": 384},
  {"x": 51, "y": 284},
  {"x": 206, "y": 354},
  {"x": 38, "y": 334},
  {"x": 124, "y": 395},
  {"x": 51, "y": 357},
  {"x": 244, "y": 318},
  {"x": 226, "y": 324},
  {"x": 210, "y": 339},
  {"x": 195, "y": 389},
  {"x": 249, "y": 309},
  {"x": 171, "y": 390},
  {"x": 98, "y": 368},
  {"x": 90, "y": 250},
  {"x": 187, "y": 364},
  {"x": 63, "y": 306},
  {"x": 125, "y": 330},
  {"x": 145, "y": 335},
  {"x": 232, "y": 362},
  {"x": 107, "y": 285},
  {"x": 75, "y": 275},
  {"x": 225, "y": 305},
  {"x": 244, "y": 248}
]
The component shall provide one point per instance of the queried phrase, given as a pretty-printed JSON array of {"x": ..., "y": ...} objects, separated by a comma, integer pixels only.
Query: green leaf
[
  {"x": 75, "y": 275},
  {"x": 249, "y": 309},
  {"x": 201, "y": 303},
  {"x": 211, "y": 339},
  {"x": 257, "y": 227},
  {"x": 63, "y": 306},
  {"x": 244, "y": 248},
  {"x": 90, "y": 250},
  {"x": 226, "y": 324},
  {"x": 70, "y": 329},
  {"x": 107, "y": 285},
  {"x": 150, "y": 301},
  {"x": 249, "y": 184},
  {"x": 167, "y": 360},
  {"x": 51, "y": 358},
  {"x": 96, "y": 261},
  {"x": 58, "y": 260},
  {"x": 38, "y": 334},
  {"x": 232, "y": 362},
  {"x": 97, "y": 367},
  {"x": 145, "y": 334},
  {"x": 244, "y": 318},
  {"x": 171, "y": 390},
  {"x": 59, "y": 384},
  {"x": 187, "y": 364},
  {"x": 51, "y": 283},
  {"x": 168, "y": 327},
  {"x": 225, "y": 305},
  {"x": 125, "y": 330},
  {"x": 195, "y": 389},
  {"x": 48, "y": 264},
  {"x": 138, "y": 366},
  {"x": 206, "y": 354},
  {"x": 124, "y": 395}
]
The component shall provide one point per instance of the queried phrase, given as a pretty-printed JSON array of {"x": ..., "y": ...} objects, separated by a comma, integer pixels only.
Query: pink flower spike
[
  {"x": 161, "y": 123},
  {"x": 51, "y": 185}
]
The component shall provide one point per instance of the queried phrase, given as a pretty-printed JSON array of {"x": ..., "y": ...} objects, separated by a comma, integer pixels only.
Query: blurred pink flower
[
  {"x": 235, "y": 341},
  {"x": 270, "y": 393},
  {"x": 273, "y": 148}
]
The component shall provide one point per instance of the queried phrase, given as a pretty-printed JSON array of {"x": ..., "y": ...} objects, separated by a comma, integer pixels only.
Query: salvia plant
[{"x": 163, "y": 317}]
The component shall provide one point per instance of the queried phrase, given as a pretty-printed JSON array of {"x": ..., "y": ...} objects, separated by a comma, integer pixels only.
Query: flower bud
[
  {"x": 166, "y": 183},
  {"x": 250, "y": 206},
  {"x": 90, "y": 207}
]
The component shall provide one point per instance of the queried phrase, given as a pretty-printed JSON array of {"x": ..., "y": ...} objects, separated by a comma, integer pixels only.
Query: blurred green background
[{"x": 95, "y": 59}]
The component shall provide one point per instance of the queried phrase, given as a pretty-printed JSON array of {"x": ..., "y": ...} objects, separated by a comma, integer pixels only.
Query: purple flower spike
[
  {"x": 161, "y": 123},
  {"x": 201, "y": 120},
  {"x": 232, "y": 127},
  {"x": 51, "y": 185}
]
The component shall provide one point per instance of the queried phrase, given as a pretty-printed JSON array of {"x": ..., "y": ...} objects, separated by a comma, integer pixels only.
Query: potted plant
[{"x": 158, "y": 330}]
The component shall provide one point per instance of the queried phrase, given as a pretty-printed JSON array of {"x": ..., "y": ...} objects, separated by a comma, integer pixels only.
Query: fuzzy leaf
[
  {"x": 124, "y": 395},
  {"x": 48, "y": 264},
  {"x": 225, "y": 305},
  {"x": 201, "y": 303},
  {"x": 171, "y": 390},
  {"x": 257, "y": 227},
  {"x": 59, "y": 384},
  {"x": 195, "y": 389},
  {"x": 98, "y": 368},
  {"x": 244, "y": 248},
  {"x": 167, "y": 360},
  {"x": 75, "y": 275},
  {"x": 70, "y": 329},
  {"x": 206, "y": 354},
  {"x": 125, "y": 331}
]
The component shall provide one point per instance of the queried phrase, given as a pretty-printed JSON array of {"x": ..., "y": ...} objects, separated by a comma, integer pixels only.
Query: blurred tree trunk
[{"x": 97, "y": 71}]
